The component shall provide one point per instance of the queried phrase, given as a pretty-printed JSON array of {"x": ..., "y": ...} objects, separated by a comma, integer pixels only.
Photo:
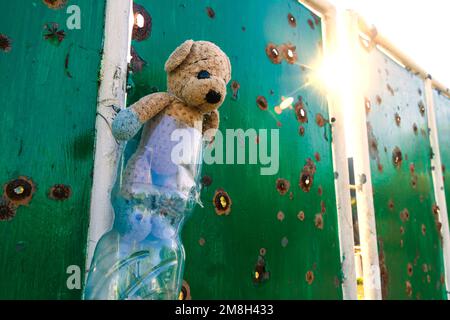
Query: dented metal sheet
[
  {"x": 257, "y": 236},
  {"x": 408, "y": 231}
]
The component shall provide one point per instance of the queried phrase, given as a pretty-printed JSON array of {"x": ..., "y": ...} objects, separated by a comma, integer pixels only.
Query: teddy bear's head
[{"x": 198, "y": 73}]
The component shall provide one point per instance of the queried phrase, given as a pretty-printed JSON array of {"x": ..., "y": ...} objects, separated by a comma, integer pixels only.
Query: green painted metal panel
[
  {"x": 442, "y": 110},
  {"x": 409, "y": 240},
  {"x": 48, "y": 91},
  {"x": 301, "y": 254}
]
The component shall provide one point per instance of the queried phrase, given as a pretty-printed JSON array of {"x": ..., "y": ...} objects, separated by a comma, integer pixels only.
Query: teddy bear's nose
[{"x": 213, "y": 97}]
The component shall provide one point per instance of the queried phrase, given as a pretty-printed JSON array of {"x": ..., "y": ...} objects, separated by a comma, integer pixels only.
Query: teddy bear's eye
[{"x": 203, "y": 75}]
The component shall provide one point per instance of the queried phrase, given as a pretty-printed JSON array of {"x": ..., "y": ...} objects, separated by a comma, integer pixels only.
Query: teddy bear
[{"x": 154, "y": 193}]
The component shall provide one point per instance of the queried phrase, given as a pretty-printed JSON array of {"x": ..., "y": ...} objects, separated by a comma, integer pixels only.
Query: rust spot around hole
[
  {"x": 398, "y": 120},
  {"x": 55, "y": 4},
  {"x": 317, "y": 156},
  {"x": 301, "y": 131},
  {"x": 300, "y": 111},
  {"x": 301, "y": 216},
  {"x": 201, "y": 242},
  {"x": 222, "y": 202},
  {"x": 280, "y": 215},
  {"x": 404, "y": 215},
  {"x": 7, "y": 210},
  {"x": 142, "y": 27},
  {"x": 320, "y": 120},
  {"x": 424, "y": 229},
  {"x": 261, "y": 101},
  {"x": 421, "y": 106},
  {"x": 397, "y": 157},
  {"x": 318, "y": 221},
  {"x": 367, "y": 105},
  {"x": 274, "y": 54},
  {"x": 282, "y": 186},
  {"x": 5, "y": 43},
  {"x": 309, "y": 277},
  {"x": 260, "y": 273},
  {"x": 292, "y": 21},
  {"x": 185, "y": 293},
  {"x": 289, "y": 52},
  {"x": 206, "y": 181},
  {"x": 311, "y": 24},
  {"x": 307, "y": 176},
  {"x": 409, "y": 269},
  {"x": 19, "y": 191},
  {"x": 408, "y": 289},
  {"x": 210, "y": 12},
  {"x": 60, "y": 192},
  {"x": 391, "y": 204},
  {"x": 235, "y": 86}
]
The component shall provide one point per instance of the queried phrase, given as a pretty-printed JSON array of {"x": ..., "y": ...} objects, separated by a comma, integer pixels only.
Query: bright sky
[{"x": 419, "y": 28}]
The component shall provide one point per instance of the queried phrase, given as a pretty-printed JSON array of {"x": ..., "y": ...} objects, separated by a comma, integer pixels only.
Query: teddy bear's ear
[{"x": 178, "y": 56}]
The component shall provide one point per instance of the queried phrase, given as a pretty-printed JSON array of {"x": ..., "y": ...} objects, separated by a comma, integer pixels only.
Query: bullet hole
[
  {"x": 379, "y": 100},
  {"x": 136, "y": 63},
  {"x": 142, "y": 27},
  {"x": 19, "y": 191},
  {"x": 380, "y": 167},
  {"x": 210, "y": 12},
  {"x": 222, "y": 202},
  {"x": 425, "y": 268},
  {"x": 391, "y": 204},
  {"x": 60, "y": 192},
  {"x": 317, "y": 156},
  {"x": 311, "y": 24},
  {"x": 309, "y": 277},
  {"x": 235, "y": 86},
  {"x": 284, "y": 242},
  {"x": 435, "y": 209},
  {"x": 421, "y": 106},
  {"x": 409, "y": 290},
  {"x": 243, "y": 28},
  {"x": 318, "y": 221},
  {"x": 415, "y": 129},
  {"x": 389, "y": 88},
  {"x": 260, "y": 273},
  {"x": 282, "y": 186},
  {"x": 53, "y": 34},
  {"x": 274, "y": 53},
  {"x": 409, "y": 269},
  {"x": 206, "y": 181},
  {"x": 201, "y": 242},
  {"x": 300, "y": 111},
  {"x": 307, "y": 176},
  {"x": 414, "y": 179},
  {"x": 373, "y": 145},
  {"x": 301, "y": 216},
  {"x": 402, "y": 230},
  {"x": 336, "y": 175},
  {"x": 384, "y": 274},
  {"x": 185, "y": 293},
  {"x": 262, "y": 102},
  {"x": 397, "y": 157},
  {"x": 301, "y": 131},
  {"x": 55, "y": 4},
  {"x": 320, "y": 191},
  {"x": 7, "y": 210},
  {"x": 289, "y": 52},
  {"x": 5, "y": 43},
  {"x": 320, "y": 120},
  {"x": 404, "y": 215},
  {"x": 280, "y": 215},
  {"x": 262, "y": 251},
  {"x": 419, "y": 91},
  {"x": 424, "y": 229},
  {"x": 367, "y": 105},
  {"x": 398, "y": 119},
  {"x": 292, "y": 21}
]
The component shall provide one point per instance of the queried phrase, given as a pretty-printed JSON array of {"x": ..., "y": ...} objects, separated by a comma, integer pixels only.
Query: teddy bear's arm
[
  {"x": 211, "y": 123},
  {"x": 128, "y": 121}
]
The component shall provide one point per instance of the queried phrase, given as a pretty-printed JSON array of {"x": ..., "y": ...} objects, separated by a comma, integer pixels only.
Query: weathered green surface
[
  {"x": 442, "y": 109},
  {"x": 409, "y": 242},
  {"x": 48, "y": 94},
  {"x": 222, "y": 251}
]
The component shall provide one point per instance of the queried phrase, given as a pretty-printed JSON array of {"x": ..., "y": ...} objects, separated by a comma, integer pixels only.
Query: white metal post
[
  {"x": 361, "y": 161},
  {"x": 438, "y": 180},
  {"x": 112, "y": 91},
  {"x": 340, "y": 164}
]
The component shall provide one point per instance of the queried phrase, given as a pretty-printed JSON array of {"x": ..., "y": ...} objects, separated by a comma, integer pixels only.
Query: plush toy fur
[{"x": 197, "y": 76}]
